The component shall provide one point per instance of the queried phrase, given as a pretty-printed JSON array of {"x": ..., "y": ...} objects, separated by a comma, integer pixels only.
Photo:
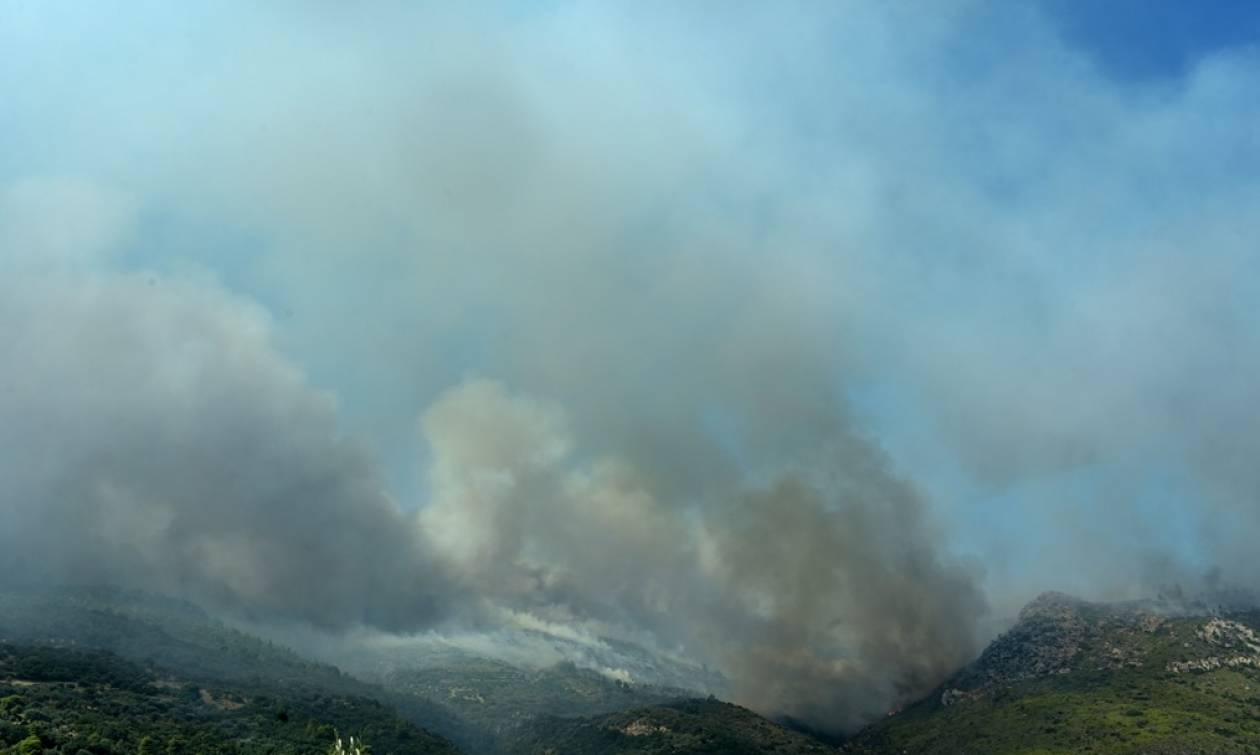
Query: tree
[
  {"x": 352, "y": 748},
  {"x": 30, "y": 746}
]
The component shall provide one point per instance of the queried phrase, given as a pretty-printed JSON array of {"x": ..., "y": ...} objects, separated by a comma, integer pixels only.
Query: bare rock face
[
  {"x": 1052, "y": 607},
  {"x": 1230, "y": 634},
  {"x": 641, "y": 728},
  {"x": 1046, "y": 639},
  {"x": 1240, "y": 643}
]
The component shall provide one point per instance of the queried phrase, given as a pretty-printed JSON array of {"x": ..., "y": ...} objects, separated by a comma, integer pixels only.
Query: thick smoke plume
[
  {"x": 156, "y": 439},
  {"x": 153, "y": 438},
  {"x": 787, "y": 344},
  {"x": 820, "y": 591}
]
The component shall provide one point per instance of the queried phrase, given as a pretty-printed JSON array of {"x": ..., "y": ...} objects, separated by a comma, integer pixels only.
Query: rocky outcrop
[
  {"x": 1230, "y": 634},
  {"x": 1046, "y": 639},
  {"x": 1227, "y": 635},
  {"x": 1057, "y": 634}
]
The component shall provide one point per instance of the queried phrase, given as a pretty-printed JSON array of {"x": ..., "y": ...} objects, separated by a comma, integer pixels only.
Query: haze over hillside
[{"x": 779, "y": 351}]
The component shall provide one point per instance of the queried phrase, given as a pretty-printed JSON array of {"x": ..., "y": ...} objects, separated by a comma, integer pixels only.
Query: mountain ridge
[{"x": 1077, "y": 676}]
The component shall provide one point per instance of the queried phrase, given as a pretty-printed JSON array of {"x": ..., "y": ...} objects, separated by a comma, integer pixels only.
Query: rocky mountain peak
[
  {"x": 1052, "y": 605},
  {"x": 1166, "y": 675}
]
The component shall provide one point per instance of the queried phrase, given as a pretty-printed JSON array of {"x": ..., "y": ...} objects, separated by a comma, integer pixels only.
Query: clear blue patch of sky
[{"x": 1142, "y": 40}]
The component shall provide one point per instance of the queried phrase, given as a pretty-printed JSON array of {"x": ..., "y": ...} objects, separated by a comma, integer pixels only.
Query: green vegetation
[
  {"x": 691, "y": 726},
  {"x": 179, "y": 678},
  {"x": 475, "y": 702},
  {"x": 1132, "y": 712},
  {"x": 492, "y": 700},
  {"x": 1093, "y": 680},
  {"x": 152, "y": 630},
  {"x": 127, "y": 672},
  {"x": 60, "y": 699},
  {"x": 101, "y": 672}
]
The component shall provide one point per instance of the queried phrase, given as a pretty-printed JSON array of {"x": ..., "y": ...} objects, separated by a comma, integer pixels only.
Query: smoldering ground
[{"x": 776, "y": 344}]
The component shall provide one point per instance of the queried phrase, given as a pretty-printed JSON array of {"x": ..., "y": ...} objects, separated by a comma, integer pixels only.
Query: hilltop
[{"x": 1073, "y": 676}]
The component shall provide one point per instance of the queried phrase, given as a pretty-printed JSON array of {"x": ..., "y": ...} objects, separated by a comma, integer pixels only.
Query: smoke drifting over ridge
[
  {"x": 821, "y": 593},
  {"x": 156, "y": 439},
  {"x": 638, "y": 280}
]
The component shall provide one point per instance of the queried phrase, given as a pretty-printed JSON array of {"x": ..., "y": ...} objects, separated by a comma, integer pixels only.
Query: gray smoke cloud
[
  {"x": 788, "y": 344},
  {"x": 152, "y": 437},
  {"x": 821, "y": 592},
  {"x": 155, "y": 438}
]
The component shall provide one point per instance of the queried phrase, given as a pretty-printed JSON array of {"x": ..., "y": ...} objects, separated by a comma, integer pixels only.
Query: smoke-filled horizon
[{"x": 799, "y": 344}]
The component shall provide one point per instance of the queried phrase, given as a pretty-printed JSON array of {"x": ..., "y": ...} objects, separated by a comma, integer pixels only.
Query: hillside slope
[
  {"x": 183, "y": 677},
  {"x": 493, "y": 700},
  {"x": 686, "y": 726},
  {"x": 126, "y": 666},
  {"x": 1078, "y": 677},
  {"x": 61, "y": 699}
]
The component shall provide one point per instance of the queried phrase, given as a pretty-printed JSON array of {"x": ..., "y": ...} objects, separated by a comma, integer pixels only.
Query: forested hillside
[
  {"x": 60, "y": 699},
  {"x": 114, "y": 672}
]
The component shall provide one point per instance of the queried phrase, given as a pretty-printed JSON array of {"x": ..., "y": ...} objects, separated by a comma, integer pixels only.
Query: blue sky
[
  {"x": 1136, "y": 40},
  {"x": 572, "y": 270}
]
